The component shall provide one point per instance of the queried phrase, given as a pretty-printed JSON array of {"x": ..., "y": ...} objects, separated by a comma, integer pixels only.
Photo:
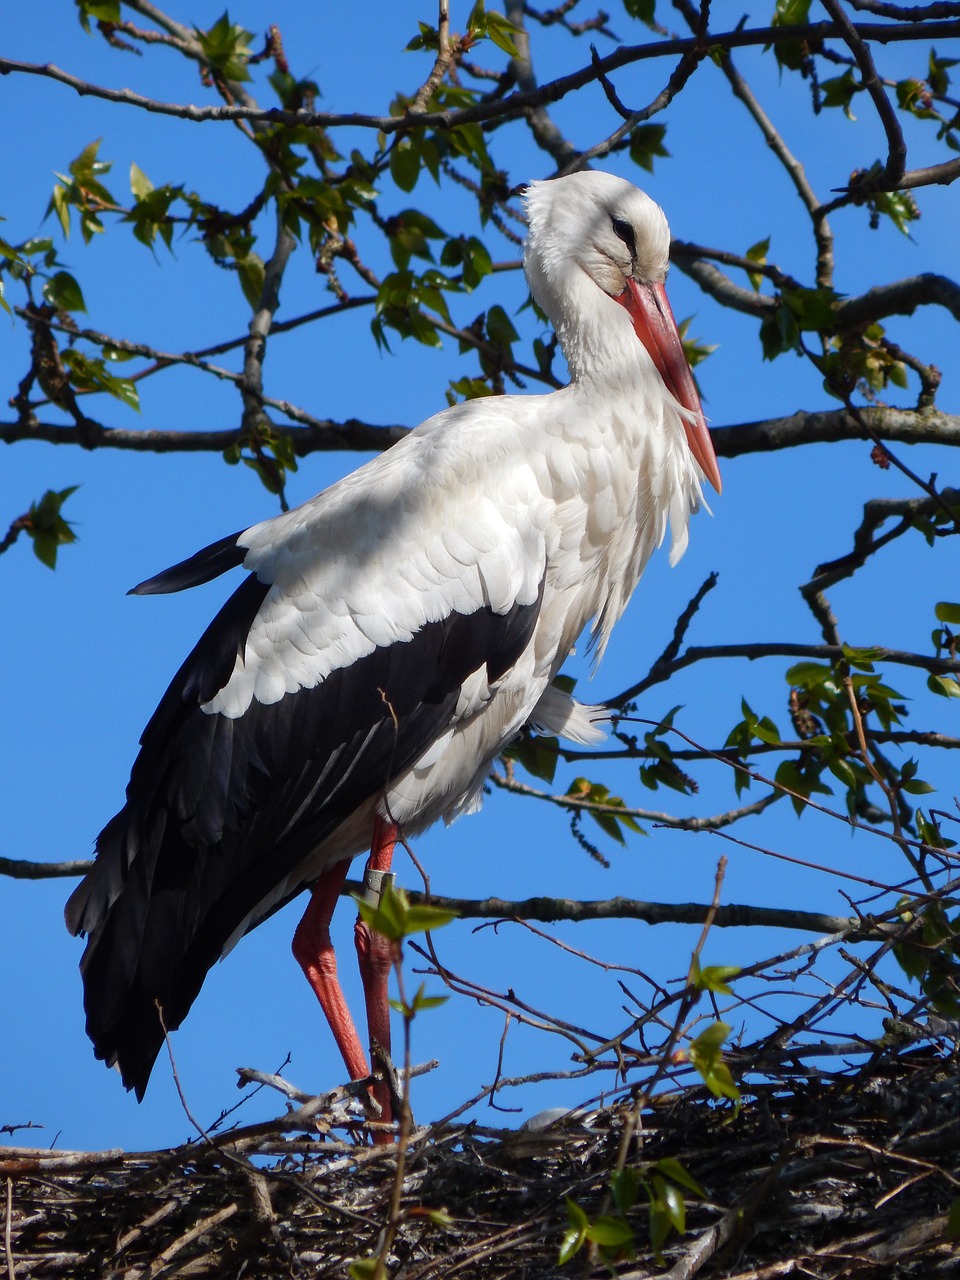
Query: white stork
[{"x": 393, "y": 635}]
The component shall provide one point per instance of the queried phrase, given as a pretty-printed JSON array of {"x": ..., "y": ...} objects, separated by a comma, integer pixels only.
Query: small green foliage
[
  {"x": 663, "y": 771},
  {"x": 410, "y": 234},
  {"x": 226, "y": 48},
  {"x": 46, "y": 526},
  {"x": 429, "y": 38},
  {"x": 494, "y": 26},
  {"x": 937, "y": 72},
  {"x": 797, "y": 311},
  {"x": 150, "y": 208},
  {"x": 367, "y": 1269},
  {"x": 82, "y": 190},
  {"x": 89, "y": 373},
  {"x": 405, "y": 160},
  {"x": 779, "y": 332},
  {"x": 98, "y": 10},
  {"x": 396, "y": 919},
  {"x": 643, "y": 10},
  {"x": 268, "y": 453},
  {"x": 944, "y": 686},
  {"x": 472, "y": 257},
  {"x": 899, "y": 206},
  {"x": 752, "y": 728},
  {"x": 930, "y": 833},
  {"x": 537, "y": 754},
  {"x": 792, "y": 54},
  {"x": 840, "y": 92},
  {"x": 931, "y": 957},
  {"x": 667, "y": 1213},
  {"x": 673, "y": 1169},
  {"x": 757, "y": 253},
  {"x": 499, "y": 327},
  {"x": 646, "y": 143},
  {"x": 706, "y": 1056},
  {"x": 862, "y": 360},
  {"x": 467, "y": 389},
  {"x": 947, "y": 611},
  {"x": 712, "y": 978},
  {"x": 595, "y": 793},
  {"x": 400, "y": 302},
  {"x": 694, "y": 349},
  {"x": 62, "y": 291},
  {"x": 612, "y": 1236}
]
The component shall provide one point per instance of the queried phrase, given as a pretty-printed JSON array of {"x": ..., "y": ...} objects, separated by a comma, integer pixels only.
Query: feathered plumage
[{"x": 399, "y": 629}]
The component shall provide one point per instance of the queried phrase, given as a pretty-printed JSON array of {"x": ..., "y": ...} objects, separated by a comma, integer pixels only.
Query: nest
[{"x": 853, "y": 1176}]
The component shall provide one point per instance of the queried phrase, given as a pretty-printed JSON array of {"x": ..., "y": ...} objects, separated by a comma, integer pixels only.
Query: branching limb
[
  {"x": 875, "y": 514},
  {"x": 896, "y": 146},
  {"x": 576, "y": 804},
  {"x": 545, "y": 132},
  {"x": 501, "y": 109},
  {"x": 794, "y": 169},
  {"x": 549, "y": 910},
  {"x": 442, "y": 63},
  {"x": 832, "y": 652},
  {"x": 908, "y": 426}
]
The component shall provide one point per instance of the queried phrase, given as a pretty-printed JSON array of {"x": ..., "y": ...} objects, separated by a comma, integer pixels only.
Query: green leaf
[
  {"x": 840, "y": 91},
  {"x": 63, "y": 292},
  {"x": 500, "y": 328},
  {"x": 405, "y": 164},
  {"x": 89, "y": 373},
  {"x": 624, "y": 1187},
  {"x": 252, "y": 273},
  {"x": 395, "y": 918},
  {"x": 98, "y": 10},
  {"x": 790, "y": 13},
  {"x": 140, "y": 184},
  {"x": 944, "y": 686},
  {"x": 538, "y": 755},
  {"x": 646, "y": 143},
  {"x": 673, "y": 1199},
  {"x": 576, "y": 1233},
  {"x": 713, "y": 977},
  {"x": 47, "y": 527},
  {"x": 502, "y": 33},
  {"x": 226, "y": 47},
  {"x": 706, "y": 1057},
  {"x": 917, "y": 787},
  {"x": 366, "y": 1269},
  {"x": 757, "y": 253},
  {"x": 644, "y": 10},
  {"x": 947, "y": 612},
  {"x": 674, "y": 1170},
  {"x": 610, "y": 1233}
]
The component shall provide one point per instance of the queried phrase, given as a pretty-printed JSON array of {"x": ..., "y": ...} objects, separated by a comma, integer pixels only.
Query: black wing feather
[
  {"x": 219, "y": 811},
  {"x": 207, "y": 564}
]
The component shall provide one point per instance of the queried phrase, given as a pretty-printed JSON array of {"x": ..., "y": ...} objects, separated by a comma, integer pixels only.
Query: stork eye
[{"x": 624, "y": 231}]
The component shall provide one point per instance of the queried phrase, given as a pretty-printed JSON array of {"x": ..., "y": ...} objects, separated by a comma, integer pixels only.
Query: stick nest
[{"x": 856, "y": 1176}]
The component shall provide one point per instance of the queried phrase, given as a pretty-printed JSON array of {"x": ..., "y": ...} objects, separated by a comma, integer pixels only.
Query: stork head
[{"x": 592, "y": 231}]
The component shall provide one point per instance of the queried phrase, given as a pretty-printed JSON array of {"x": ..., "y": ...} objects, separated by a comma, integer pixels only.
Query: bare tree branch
[{"x": 511, "y": 106}]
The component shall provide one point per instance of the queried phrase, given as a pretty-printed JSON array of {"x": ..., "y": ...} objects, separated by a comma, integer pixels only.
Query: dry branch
[{"x": 832, "y": 1177}]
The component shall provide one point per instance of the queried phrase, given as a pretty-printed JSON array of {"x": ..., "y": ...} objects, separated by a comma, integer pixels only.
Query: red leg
[
  {"x": 375, "y": 954},
  {"x": 315, "y": 955}
]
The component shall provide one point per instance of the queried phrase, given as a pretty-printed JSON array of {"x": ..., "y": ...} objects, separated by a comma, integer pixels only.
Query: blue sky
[{"x": 84, "y": 664}]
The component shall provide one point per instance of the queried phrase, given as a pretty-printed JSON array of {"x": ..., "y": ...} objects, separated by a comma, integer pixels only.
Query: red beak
[{"x": 656, "y": 328}]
